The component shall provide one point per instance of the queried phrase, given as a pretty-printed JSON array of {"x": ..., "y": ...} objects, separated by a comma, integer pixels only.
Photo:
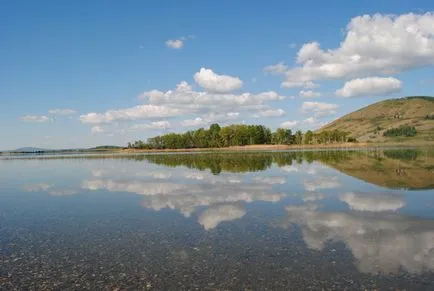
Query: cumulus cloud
[
  {"x": 210, "y": 118},
  {"x": 65, "y": 111},
  {"x": 373, "y": 202},
  {"x": 134, "y": 113},
  {"x": 270, "y": 113},
  {"x": 200, "y": 107},
  {"x": 179, "y": 43},
  {"x": 319, "y": 108},
  {"x": 97, "y": 129},
  {"x": 175, "y": 43},
  {"x": 185, "y": 97},
  {"x": 379, "y": 242},
  {"x": 371, "y": 86},
  {"x": 217, "y": 214},
  {"x": 309, "y": 94},
  {"x": 213, "y": 82},
  {"x": 312, "y": 122},
  {"x": 288, "y": 124},
  {"x": 35, "y": 118},
  {"x": 373, "y": 45},
  {"x": 278, "y": 68},
  {"x": 155, "y": 125}
]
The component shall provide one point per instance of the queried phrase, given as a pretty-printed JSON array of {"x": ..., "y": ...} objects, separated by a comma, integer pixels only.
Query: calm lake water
[{"x": 333, "y": 220}]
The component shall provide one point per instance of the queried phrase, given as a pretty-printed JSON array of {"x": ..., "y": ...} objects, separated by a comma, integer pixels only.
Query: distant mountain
[
  {"x": 29, "y": 149},
  {"x": 369, "y": 123}
]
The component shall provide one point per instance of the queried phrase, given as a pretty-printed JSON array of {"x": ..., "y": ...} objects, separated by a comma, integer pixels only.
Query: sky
[{"x": 84, "y": 73}]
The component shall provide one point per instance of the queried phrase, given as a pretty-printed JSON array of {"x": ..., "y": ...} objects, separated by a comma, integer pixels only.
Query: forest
[{"x": 239, "y": 135}]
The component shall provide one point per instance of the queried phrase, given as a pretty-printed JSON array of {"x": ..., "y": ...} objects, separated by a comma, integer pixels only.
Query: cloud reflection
[
  {"x": 374, "y": 202},
  {"x": 216, "y": 214},
  {"x": 224, "y": 195},
  {"x": 40, "y": 187},
  {"x": 380, "y": 242},
  {"x": 321, "y": 183}
]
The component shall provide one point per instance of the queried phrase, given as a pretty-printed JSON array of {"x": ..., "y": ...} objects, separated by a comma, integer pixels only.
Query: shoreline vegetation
[
  {"x": 247, "y": 148},
  {"x": 240, "y": 135},
  {"x": 348, "y": 145}
]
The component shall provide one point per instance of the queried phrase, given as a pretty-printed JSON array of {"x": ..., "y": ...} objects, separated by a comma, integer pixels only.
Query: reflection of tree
[
  {"x": 245, "y": 162},
  {"x": 215, "y": 162}
]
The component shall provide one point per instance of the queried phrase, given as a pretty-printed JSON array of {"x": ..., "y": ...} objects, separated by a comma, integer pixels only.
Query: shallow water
[{"x": 328, "y": 220}]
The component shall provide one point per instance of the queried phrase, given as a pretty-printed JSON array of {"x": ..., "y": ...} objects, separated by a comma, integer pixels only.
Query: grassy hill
[{"x": 368, "y": 124}]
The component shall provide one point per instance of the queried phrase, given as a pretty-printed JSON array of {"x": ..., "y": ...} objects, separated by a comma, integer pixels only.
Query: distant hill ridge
[
  {"x": 370, "y": 122},
  {"x": 29, "y": 149}
]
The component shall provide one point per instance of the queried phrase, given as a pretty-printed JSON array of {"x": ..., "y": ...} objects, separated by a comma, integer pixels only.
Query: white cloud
[
  {"x": 200, "y": 107},
  {"x": 278, "y": 68},
  {"x": 371, "y": 86},
  {"x": 185, "y": 97},
  {"x": 312, "y": 122},
  {"x": 139, "y": 112},
  {"x": 175, "y": 43},
  {"x": 309, "y": 94},
  {"x": 65, "y": 111},
  {"x": 212, "y": 82},
  {"x": 214, "y": 215},
  {"x": 319, "y": 108},
  {"x": 155, "y": 125},
  {"x": 210, "y": 118},
  {"x": 375, "y": 202},
  {"x": 35, "y": 118},
  {"x": 97, "y": 129},
  {"x": 288, "y": 124},
  {"x": 373, "y": 45},
  {"x": 270, "y": 113}
]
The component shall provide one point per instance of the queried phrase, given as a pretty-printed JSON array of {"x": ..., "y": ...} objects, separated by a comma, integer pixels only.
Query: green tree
[
  {"x": 298, "y": 137},
  {"x": 308, "y": 137}
]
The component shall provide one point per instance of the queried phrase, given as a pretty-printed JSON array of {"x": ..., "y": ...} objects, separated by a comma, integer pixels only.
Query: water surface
[{"x": 219, "y": 221}]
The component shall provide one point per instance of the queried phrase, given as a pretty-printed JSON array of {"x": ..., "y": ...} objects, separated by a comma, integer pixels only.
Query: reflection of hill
[{"x": 411, "y": 169}]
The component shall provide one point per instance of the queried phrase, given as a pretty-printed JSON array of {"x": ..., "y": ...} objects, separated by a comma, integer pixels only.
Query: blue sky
[{"x": 85, "y": 73}]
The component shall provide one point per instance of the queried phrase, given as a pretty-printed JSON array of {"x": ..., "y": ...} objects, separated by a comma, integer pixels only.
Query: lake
[{"x": 302, "y": 220}]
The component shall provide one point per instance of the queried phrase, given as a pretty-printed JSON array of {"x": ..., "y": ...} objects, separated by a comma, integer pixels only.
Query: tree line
[{"x": 239, "y": 135}]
